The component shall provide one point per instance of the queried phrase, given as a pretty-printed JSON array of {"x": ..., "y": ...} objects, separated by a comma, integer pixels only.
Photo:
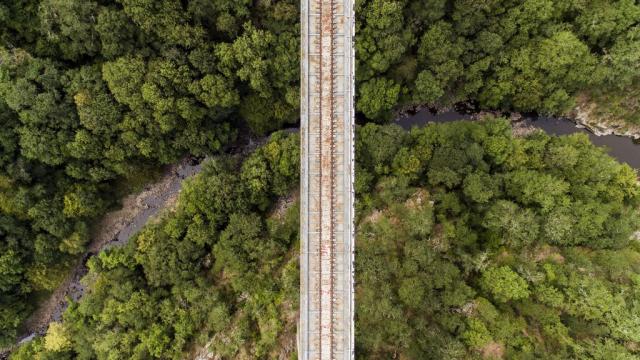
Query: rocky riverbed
[{"x": 116, "y": 228}]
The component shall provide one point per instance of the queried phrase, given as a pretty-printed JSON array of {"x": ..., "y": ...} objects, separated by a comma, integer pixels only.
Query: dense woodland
[
  {"x": 95, "y": 95},
  {"x": 475, "y": 244},
  {"x": 524, "y": 55},
  {"x": 223, "y": 266},
  {"x": 470, "y": 244}
]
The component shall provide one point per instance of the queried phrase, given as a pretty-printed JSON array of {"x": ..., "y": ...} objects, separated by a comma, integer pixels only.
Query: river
[{"x": 622, "y": 148}]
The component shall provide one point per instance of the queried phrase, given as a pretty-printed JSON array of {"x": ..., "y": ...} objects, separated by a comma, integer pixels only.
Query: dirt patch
[
  {"x": 492, "y": 350},
  {"x": 548, "y": 253},
  {"x": 373, "y": 217},
  {"x": 632, "y": 346},
  {"x": 284, "y": 204},
  {"x": 417, "y": 200},
  {"x": 468, "y": 309},
  {"x": 437, "y": 240}
]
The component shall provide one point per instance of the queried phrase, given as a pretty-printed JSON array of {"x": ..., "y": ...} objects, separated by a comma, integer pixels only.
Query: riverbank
[
  {"x": 623, "y": 148},
  {"x": 586, "y": 114}
]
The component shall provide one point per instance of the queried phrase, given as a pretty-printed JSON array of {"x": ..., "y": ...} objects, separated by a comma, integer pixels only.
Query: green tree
[
  {"x": 381, "y": 40},
  {"x": 377, "y": 97},
  {"x": 71, "y": 26},
  {"x": 504, "y": 284},
  {"x": 56, "y": 339}
]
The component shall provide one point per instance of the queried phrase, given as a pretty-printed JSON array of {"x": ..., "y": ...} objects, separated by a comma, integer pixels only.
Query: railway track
[{"x": 326, "y": 262}]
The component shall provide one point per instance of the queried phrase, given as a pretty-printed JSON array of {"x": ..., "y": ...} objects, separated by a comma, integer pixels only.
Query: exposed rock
[
  {"x": 492, "y": 350},
  {"x": 522, "y": 129},
  {"x": 283, "y": 204},
  {"x": 584, "y": 115}
]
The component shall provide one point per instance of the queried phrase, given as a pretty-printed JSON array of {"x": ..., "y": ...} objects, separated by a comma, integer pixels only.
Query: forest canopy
[
  {"x": 94, "y": 95},
  {"x": 522, "y": 55},
  {"x": 470, "y": 243},
  {"x": 474, "y": 244},
  {"x": 222, "y": 266}
]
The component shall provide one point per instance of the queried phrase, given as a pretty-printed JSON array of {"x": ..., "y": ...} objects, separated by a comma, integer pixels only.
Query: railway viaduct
[{"x": 325, "y": 329}]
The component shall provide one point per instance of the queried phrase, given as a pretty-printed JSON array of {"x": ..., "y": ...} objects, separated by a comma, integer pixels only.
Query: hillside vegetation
[
  {"x": 523, "y": 55},
  {"x": 470, "y": 244},
  {"x": 223, "y": 265},
  {"x": 95, "y": 93},
  {"x": 474, "y": 244}
]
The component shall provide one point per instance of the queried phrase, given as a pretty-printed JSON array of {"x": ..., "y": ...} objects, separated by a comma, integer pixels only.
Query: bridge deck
[{"x": 326, "y": 261}]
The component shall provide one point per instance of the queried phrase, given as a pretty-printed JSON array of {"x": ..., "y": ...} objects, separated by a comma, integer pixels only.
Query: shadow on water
[{"x": 622, "y": 148}]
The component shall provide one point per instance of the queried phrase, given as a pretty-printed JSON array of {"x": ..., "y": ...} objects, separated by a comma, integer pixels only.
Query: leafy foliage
[
  {"x": 489, "y": 246},
  {"x": 94, "y": 92},
  {"x": 457, "y": 269},
  {"x": 222, "y": 265},
  {"x": 533, "y": 55}
]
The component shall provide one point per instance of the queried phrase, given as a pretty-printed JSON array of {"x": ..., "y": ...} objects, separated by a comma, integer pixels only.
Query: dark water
[{"x": 620, "y": 147}]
